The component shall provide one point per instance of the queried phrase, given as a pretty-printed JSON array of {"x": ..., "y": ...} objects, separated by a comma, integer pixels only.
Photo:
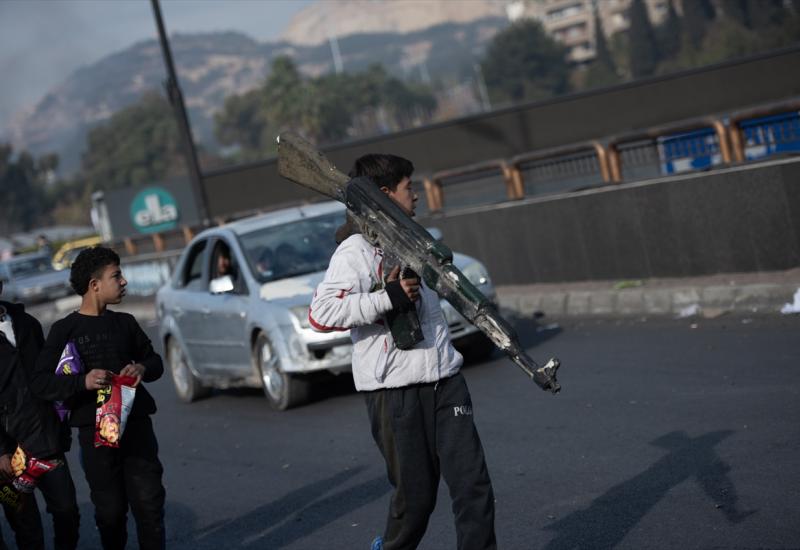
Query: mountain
[
  {"x": 212, "y": 66},
  {"x": 315, "y": 23}
]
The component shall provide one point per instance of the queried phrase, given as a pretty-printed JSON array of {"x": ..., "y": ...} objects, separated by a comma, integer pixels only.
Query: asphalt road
[{"x": 667, "y": 434}]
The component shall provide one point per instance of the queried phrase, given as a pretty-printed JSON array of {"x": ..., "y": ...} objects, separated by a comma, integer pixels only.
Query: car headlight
[
  {"x": 301, "y": 314},
  {"x": 477, "y": 274}
]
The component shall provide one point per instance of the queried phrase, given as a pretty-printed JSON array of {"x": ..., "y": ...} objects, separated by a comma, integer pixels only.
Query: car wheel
[
  {"x": 283, "y": 390},
  {"x": 187, "y": 386}
]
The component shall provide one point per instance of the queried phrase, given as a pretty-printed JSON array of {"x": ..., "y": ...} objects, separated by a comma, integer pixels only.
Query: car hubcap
[
  {"x": 273, "y": 381},
  {"x": 180, "y": 372}
]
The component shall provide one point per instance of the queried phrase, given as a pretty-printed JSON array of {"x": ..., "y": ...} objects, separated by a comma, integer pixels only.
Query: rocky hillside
[
  {"x": 212, "y": 66},
  {"x": 314, "y": 24}
]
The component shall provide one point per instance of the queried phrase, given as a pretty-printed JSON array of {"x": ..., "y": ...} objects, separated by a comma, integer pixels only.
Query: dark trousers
[
  {"x": 26, "y": 523},
  {"x": 426, "y": 431},
  {"x": 129, "y": 475},
  {"x": 59, "y": 495}
]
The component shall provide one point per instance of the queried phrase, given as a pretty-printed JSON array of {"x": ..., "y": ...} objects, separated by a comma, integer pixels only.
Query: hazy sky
[{"x": 43, "y": 41}]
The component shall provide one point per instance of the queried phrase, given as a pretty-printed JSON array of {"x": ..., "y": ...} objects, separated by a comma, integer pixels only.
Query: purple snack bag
[{"x": 69, "y": 364}]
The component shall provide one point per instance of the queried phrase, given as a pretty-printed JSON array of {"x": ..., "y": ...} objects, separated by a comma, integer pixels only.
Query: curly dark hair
[
  {"x": 384, "y": 170},
  {"x": 89, "y": 265}
]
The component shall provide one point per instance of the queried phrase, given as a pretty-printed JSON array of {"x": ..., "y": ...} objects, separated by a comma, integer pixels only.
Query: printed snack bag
[
  {"x": 27, "y": 471},
  {"x": 113, "y": 407},
  {"x": 69, "y": 364}
]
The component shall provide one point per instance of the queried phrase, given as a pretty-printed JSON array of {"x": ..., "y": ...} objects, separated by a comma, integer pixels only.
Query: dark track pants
[
  {"x": 59, "y": 495},
  {"x": 424, "y": 431},
  {"x": 131, "y": 475}
]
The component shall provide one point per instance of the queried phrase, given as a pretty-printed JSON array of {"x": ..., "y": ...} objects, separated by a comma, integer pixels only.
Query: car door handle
[
  {"x": 177, "y": 311},
  {"x": 206, "y": 311}
]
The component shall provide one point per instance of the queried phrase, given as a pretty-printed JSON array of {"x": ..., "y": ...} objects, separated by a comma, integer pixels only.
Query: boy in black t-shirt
[{"x": 109, "y": 343}]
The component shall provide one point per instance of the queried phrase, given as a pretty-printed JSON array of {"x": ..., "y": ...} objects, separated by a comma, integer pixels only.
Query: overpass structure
[{"x": 687, "y": 174}]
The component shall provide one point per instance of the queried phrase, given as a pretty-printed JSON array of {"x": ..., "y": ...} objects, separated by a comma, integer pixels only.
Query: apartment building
[{"x": 571, "y": 22}]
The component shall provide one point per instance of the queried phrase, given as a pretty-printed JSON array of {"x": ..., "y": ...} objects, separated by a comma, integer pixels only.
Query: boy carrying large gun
[{"x": 418, "y": 403}]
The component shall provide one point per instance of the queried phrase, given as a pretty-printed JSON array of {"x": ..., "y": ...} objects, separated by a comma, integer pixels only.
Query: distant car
[
  {"x": 30, "y": 278},
  {"x": 250, "y": 327},
  {"x": 68, "y": 251}
]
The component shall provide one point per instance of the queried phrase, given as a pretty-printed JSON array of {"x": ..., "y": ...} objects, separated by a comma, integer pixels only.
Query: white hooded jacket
[{"x": 352, "y": 296}]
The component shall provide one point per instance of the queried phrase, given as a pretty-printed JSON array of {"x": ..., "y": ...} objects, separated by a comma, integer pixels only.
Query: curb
[{"x": 681, "y": 301}]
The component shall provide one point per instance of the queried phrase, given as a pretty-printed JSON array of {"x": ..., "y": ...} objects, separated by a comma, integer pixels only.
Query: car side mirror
[
  {"x": 436, "y": 233},
  {"x": 221, "y": 285}
]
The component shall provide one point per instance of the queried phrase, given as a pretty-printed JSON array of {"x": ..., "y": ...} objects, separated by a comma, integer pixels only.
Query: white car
[{"x": 246, "y": 324}]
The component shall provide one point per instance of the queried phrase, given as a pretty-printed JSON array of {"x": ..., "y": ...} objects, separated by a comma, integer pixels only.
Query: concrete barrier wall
[
  {"x": 731, "y": 220},
  {"x": 719, "y": 89}
]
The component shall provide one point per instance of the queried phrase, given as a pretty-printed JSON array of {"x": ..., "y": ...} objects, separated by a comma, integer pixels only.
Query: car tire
[
  {"x": 187, "y": 386},
  {"x": 283, "y": 390}
]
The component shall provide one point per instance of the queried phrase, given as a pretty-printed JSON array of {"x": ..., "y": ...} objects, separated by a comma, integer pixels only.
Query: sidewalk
[{"x": 708, "y": 296}]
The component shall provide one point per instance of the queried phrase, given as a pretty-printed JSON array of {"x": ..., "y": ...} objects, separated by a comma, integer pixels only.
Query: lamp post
[{"x": 179, "y": 108}]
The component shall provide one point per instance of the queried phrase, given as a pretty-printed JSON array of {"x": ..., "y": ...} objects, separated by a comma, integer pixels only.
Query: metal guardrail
[
  {"x": 434, "y": 185},
  {"x": 695, "y": 144},
  {"x": 661, "y": 149},
  {"x": 562, "y": 169},
  {"x": 749, "y": 129}
]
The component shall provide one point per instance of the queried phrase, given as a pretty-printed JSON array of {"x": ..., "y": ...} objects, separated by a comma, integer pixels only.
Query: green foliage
[
  {"x": 602, "y": 71},
  {"x": 697, "y": 15},
  {"x": 668, "y": 33},
  {"x": 137, "y": 145},
  {"x": 727, "y": 37},
  {"x": 22, "y": 188},
  {"x": 524, "y": 63},
  {"x": 643, "y": 50},
  {"x": 325, "y": 109}
]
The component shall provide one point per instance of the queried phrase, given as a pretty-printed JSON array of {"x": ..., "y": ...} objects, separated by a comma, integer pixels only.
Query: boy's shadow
[
  {"x": 291, "y": 517},
  {"x": 610, "y": 517}
]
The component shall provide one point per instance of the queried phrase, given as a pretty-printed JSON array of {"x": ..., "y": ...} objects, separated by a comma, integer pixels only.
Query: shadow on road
[
  {"x": 611, "y": 516},
  {"x": 283, "y": 521}
]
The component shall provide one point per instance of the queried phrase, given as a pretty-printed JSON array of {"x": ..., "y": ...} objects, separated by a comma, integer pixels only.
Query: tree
[
  {"x": 697, "y": 14},
  {"x": 766, "y": 13},
  {"x": 736, "y": 10},
  {"x": 643, "y": 50},
  {"x": 602, "y": 71},
  {"x": 137, "y": 145},
  {"x": 668, "y": 33},
  {"x": 22, "y": 188},
  {"x": 324, "y": 109},
  {"x": 524, "y": 63}
]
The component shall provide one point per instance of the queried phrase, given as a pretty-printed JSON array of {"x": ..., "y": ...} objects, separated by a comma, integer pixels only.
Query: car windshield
[
  {"x": 29, "y": 266},
  {"x": 291, "y": 249}
]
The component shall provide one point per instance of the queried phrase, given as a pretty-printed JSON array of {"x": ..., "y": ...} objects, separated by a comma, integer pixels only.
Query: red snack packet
[
  {"x": 113, "y": 406},
  {"x": 35, "y": 469},
  {"x": 28, "y": 470}
]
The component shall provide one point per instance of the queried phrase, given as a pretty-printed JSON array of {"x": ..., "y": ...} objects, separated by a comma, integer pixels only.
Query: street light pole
[{"x": 179, "y": 108}]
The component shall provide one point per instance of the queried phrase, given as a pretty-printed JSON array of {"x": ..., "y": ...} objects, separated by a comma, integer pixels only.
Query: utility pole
[{"x": 184, "y": 128}]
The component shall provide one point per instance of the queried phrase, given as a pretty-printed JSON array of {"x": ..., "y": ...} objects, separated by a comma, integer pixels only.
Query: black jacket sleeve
[
  {"x": 144, "y": 353},
  {"x": 44, "y": 382},
  {"x": 33, "y": 342},
  {"x": 7, "y": 443}
]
